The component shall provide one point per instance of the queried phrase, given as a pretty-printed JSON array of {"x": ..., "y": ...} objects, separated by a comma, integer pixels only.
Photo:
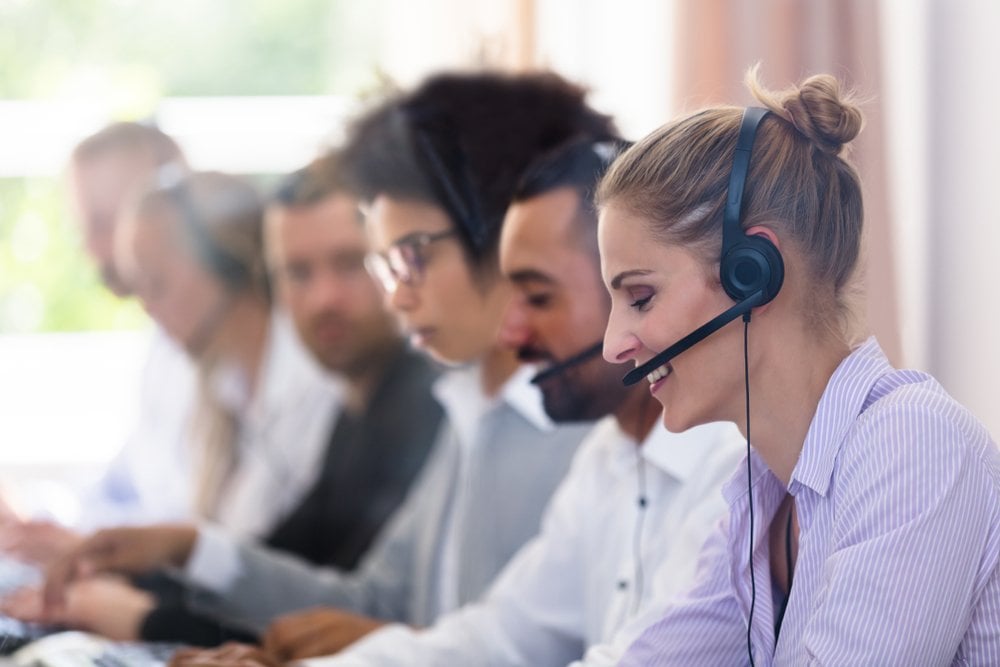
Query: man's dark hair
[
  {"x": 462, "y": 142},
  {"x": 578, "y": 164}
]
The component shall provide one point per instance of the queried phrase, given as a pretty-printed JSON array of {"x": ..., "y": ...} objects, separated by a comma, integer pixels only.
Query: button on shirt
[
  {"x": 897, "y": 491},
  {"x": 621, "y": 535}
]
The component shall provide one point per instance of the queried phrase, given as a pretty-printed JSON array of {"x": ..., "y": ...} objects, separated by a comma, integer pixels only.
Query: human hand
[
  {"x": 227, "y": 655},
  {"x": 105, "y": 605},
  {"x": 318, "y": 631},
  {"x": 36, "y": 542},
  {"x": 130, "y": 550}
]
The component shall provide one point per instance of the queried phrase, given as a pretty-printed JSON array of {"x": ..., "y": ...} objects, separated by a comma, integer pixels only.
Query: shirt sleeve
[
  {"x": 269, "y": 583},
  {"x": 214, "y": 564},
  {"x": 532, "y": 615},
  {"x": 917, "y": 511}
]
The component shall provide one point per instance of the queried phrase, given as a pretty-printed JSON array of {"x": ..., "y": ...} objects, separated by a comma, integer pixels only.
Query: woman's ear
[{"x": 766, "y": 232}]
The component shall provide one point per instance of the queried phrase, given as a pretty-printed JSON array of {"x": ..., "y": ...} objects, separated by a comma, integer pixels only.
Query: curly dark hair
[{"x": 463, "y": 141}]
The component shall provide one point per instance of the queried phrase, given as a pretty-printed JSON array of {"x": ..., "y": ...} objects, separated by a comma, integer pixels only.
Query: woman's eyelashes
[{"x": 639, "y": 298}]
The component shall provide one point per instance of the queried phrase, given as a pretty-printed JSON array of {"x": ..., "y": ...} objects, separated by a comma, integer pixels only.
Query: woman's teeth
[{"x": 658, "y": 374}]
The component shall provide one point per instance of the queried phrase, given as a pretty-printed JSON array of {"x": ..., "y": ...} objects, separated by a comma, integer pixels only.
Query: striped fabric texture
[{"x": 897, "y": 491}]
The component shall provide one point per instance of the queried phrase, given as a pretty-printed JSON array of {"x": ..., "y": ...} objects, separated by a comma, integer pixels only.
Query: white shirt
[
  {"x": 460, "y": 394},
  {"x": 150, "y": 479},
  {"x": 481, "y": 495},
  {"x": 282, "y": 437},
  {"x": 581, "y": 581}
]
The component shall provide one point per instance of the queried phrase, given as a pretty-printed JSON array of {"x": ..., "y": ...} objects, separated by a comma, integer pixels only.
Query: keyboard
[
  {"x": 14, "y": 575},
  {"x": 13, "y": 633},
  {"x": 81, "y": 649},
  {"x": 31, "y": 645}
]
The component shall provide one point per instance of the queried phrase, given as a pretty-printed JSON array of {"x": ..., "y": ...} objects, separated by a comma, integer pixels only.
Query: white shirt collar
[
  {"x": 287, "y": 372},
  {"x": 526, "y": 398},
  {"x": 288, "y": 368},
  {"x": 460, "y": 393}
]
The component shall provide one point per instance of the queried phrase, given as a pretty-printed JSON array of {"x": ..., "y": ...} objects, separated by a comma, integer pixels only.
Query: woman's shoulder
[{"x": 913, "y": 424}]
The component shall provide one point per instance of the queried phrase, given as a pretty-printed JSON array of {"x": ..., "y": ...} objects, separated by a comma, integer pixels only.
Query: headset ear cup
[{"x": 754, "y": 264}]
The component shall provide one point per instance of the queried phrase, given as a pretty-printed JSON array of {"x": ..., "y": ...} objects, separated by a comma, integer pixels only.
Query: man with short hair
[
  {"x": 437, "y": 167},
  {"x": 148, "y": 480},
  {"x": 381, "y": 434},
  {"x": 624, "y": 530}
]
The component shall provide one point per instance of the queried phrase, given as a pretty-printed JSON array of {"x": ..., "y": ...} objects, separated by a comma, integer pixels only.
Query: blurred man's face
[
  {"x": 99, "y": 188},
  {"x": 560, "y": 307},
  {"x": 316, "y": 254}
]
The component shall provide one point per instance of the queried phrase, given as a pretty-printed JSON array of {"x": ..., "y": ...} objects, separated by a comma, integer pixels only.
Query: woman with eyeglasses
[
  {"x": 864, "y": 526},
  {"x": 438, "y": 167}
]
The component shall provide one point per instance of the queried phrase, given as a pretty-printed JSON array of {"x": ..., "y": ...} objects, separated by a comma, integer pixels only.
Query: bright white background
[{"x": 68, "y": 399}]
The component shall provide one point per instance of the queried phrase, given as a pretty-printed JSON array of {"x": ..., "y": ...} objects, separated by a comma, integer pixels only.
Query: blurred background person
[
  {"x": 624, "y": 529},
  {"x": 194, "y": 252},
  {"x": 494, "y": 469},
  {"x": 149, "y": 479},
  {"x": 381, "y": 435}
]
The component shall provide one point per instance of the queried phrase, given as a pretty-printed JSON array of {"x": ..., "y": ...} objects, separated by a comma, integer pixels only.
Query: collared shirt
[
  {"x": 467, "y": 408},
  {"x": 622, "y": 533},
  {"x": 897, "y": 492},
  {"x": 513, "y": 468},
  {"x": 282, "y": 435},
  {"x": 149, "y": 479}
]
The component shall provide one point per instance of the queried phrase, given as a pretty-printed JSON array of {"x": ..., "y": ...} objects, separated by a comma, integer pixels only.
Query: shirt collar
[
  {"x": 526, "y": 398},
  {"x": 839, "y": 406},
  {"x": 460, "y": 393},
  {"x": 288, "y": 372}
]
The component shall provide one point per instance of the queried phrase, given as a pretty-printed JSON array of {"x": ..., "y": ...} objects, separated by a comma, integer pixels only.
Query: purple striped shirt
[{"x": 897, "y": 491}]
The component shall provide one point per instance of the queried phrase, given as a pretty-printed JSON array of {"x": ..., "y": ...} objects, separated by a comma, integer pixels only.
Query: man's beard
[{"x": 573, "y": 394}]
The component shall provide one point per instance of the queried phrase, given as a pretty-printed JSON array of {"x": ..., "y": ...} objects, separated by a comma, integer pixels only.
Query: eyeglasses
[{"x": 405, "y": 260}]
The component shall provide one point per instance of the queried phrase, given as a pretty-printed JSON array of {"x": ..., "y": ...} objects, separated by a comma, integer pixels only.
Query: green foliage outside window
[{"x": 130, "y": 54}]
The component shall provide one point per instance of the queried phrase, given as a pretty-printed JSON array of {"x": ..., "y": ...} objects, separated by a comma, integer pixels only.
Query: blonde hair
[
  {"x": 218, "y": 220},
  {"x": 799, "y": 184}
]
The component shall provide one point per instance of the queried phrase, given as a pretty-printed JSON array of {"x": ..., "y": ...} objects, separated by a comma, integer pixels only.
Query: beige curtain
[{"x": 717, "y": 40}]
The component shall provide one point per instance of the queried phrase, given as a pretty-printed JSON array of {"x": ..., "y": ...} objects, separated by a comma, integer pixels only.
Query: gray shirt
[{"x": 481, "y": 495}]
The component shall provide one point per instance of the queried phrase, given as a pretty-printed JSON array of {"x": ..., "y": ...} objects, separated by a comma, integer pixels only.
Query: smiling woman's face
[
  {"x": 444, "y": 312},
  {"x": 660, "y": 293}
]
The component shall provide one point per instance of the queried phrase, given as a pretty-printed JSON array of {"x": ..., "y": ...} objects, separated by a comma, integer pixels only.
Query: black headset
[
  {"x": 234, "y": 274},
  {"x": 751, "y": 268}
]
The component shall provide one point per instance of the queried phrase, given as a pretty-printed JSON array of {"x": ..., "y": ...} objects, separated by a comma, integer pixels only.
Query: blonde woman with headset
[{"x": 864, "y": 525}]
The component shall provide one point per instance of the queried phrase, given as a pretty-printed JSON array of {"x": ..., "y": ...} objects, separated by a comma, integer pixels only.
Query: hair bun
[{"x": 817, "y": 108}]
